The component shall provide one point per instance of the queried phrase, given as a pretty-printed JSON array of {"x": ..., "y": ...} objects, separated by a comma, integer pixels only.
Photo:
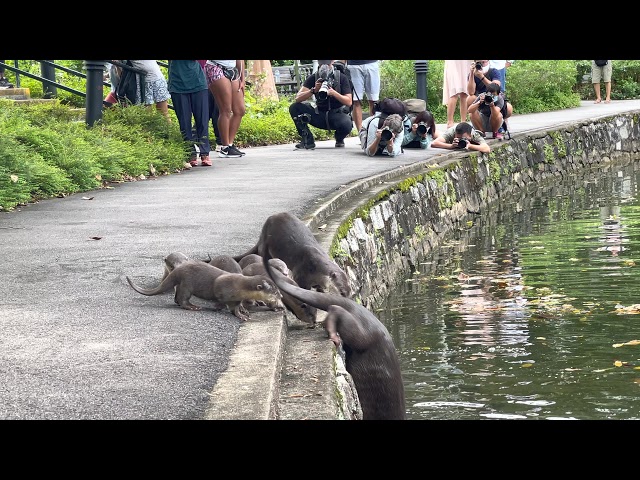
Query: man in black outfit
[{"x": 333, "y": 102}]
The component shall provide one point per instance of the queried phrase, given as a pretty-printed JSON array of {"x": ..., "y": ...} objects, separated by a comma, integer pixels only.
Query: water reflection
[{"x": 518, "y": 315}]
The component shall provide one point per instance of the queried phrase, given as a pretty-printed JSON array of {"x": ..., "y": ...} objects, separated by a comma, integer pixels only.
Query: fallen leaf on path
[
  {"x": 87, "y": 198},
  {"x": 95, "y": 238}
]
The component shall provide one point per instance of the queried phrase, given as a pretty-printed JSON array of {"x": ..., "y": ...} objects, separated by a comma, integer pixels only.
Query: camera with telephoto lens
[
  {"x": 462, "y": 143},
  {"x": 304, "y": 117},
  {"x": 327, "y": 81},
  {"x": 421, "y": 128},
  {"x": 386, "y": 134},
  {"x": 478, "y": 65}
]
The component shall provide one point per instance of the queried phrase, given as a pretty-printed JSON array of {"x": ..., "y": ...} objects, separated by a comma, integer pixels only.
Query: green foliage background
[{"x": 47, "y": 151}]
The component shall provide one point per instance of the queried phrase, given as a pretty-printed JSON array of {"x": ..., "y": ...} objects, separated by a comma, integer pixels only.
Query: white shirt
[{"x": 151, "y": 69}]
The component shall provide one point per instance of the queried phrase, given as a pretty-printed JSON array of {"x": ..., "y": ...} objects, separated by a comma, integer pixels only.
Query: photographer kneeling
[
  {"x": 333, "y": 99},
  {"x": 488, "y": 111},
  {"x": 462, "y": 136}
]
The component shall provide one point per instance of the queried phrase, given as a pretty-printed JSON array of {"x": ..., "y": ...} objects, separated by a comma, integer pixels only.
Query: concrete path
[{"x": 78, "y": 343}]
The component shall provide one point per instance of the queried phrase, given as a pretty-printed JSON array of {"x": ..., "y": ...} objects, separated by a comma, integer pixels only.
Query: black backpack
[
  {"x": 340, "y": 68},
  {"x": 126, "y": 89}
]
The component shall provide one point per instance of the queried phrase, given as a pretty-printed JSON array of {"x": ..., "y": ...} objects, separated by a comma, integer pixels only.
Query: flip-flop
[
  {"x": 597, "y": 101},
  {"x": 607, "y": 101}
]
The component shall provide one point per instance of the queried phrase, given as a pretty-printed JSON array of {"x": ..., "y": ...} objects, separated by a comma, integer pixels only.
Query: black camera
[
  {"x": 462, "y": 143},
  {"x": 304, "y": 117},
  {"x": 422, "y": 128},
  {"x": 488, "y": 98},
  {"x": 478, "y": 65},
  {"x": 386, "y": 134},
  {"x": 327, "y": 78}
]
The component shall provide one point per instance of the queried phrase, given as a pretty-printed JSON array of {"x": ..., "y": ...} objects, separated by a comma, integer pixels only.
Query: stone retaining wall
[{"x": 385, "y": 240}]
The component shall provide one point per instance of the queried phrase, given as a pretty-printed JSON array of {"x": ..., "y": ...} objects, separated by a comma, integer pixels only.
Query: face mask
[{"x": 485, "y": 69}]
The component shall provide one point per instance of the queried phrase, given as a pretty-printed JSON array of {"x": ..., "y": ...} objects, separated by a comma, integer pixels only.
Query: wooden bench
[{"x": 286, "y": 80}]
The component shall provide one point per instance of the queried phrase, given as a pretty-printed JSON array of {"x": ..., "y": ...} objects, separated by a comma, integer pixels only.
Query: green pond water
[{"x": 531, "y": 310}]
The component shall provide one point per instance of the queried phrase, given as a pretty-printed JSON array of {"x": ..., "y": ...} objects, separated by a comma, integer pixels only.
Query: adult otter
[
  {"x": 255, "y": 259},
  {"x": 196, "y": 278},
  {"x": 370, "y": 355},
  {"x": 300, "y": 309},
  {"x": 286, "y": 237}
]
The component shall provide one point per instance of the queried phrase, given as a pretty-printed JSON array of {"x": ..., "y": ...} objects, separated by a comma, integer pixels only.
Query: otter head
[
  {"x": 341, "y": 283},
  {"x": 270, "y": 294}
]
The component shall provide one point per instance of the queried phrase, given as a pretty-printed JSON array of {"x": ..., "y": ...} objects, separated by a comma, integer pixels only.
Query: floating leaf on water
[
  {"x": 14, "y": 178},
  {"x": 617, "y": 345},
  {"x": 526, "y": 365},
  {"x": 617, "y": 363},
  {"x": 630, "y": 342},
  {"x": 574, "y": 259}
]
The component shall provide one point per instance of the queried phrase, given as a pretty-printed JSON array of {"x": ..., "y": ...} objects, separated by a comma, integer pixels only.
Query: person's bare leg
[
  {"x": 451, "y": 110},
  {"x": 163, "y": 107},
  {"x": 221, "y": 90},
  {"x": 476, "y": 121},
  {"x": 607, "y": 86},
  {"x": 596, "y": 87},
  {"x": 496, "y": 122},
  {"x": 238, "y": 108},
  {"x": 463, "y": 107},
  {"x": 357, "y": 114}
]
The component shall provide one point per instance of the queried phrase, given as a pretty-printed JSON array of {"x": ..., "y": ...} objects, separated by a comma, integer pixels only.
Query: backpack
[
  {"x": 340, "y": 68},
  {"x": 127, "y": 86}
]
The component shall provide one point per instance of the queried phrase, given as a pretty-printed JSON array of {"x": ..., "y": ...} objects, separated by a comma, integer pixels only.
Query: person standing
[
  {"x": 365, "y": 76},
  {"x": 501, "y": 66},
  {"x": 226, "y": 80},
  {"x": 4, "y": 83},
  {"x": 454, "y": 88},
  {"x": 601, "y": 70},
  {"x": 189, "y": 93},
  {"x": 156, "y": 90}
]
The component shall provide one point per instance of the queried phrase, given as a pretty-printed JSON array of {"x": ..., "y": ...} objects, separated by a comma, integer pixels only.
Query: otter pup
[
  {"x": 226, "y": 263},
  {"x": 196, "y": 278},
  {"x": 370, "y": 355},
  {"x": 247, "y": 259},
  {"x": 257, "y": 268},
  {"x": 300, "y": 309},
  {"x": 286, "y": 237},
  {"x": 171, "y": 261}
]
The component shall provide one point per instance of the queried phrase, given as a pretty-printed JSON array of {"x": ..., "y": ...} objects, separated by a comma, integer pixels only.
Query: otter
[
  {"x": 370, "y": 355},
  {"x": 257, "y": 268},
  {"x": 286, "y": 237},
  {"x": 225, "y": 262},
  {"x": 171, "y": 261},
  {"x": 248, "y": 259},
  {"x": 300, "y": 309},
  {"x": 196, "y": 278}
]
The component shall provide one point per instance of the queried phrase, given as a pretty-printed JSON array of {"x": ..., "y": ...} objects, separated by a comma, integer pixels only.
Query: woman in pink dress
[{"x": 454, "y": 87}]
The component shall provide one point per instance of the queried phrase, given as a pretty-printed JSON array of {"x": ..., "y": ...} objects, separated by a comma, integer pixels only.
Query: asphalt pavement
[{"x": 79, "y": 343}]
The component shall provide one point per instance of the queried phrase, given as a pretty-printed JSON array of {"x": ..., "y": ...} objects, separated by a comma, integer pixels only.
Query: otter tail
[
  {"x": 311, "y": 297},
  {"x": 253, "y": 249},
  {"x": 166, "y": 284}
]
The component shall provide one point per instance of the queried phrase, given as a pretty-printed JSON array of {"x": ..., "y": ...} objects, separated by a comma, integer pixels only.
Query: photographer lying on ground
[
  {"x": 385, "y": 140},
  {"x": 421, "y": 131},
  {"x": 462, "y": 136},
  {"x": 333, "y": 102},
  {"x": 489, "y": 111}
]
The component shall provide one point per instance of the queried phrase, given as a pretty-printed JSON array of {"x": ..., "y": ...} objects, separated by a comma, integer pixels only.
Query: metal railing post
[
  {"x": 422, "y": 68},
  {"x": 48, "y": 71},
  {"x": 95, "y": 72}
]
